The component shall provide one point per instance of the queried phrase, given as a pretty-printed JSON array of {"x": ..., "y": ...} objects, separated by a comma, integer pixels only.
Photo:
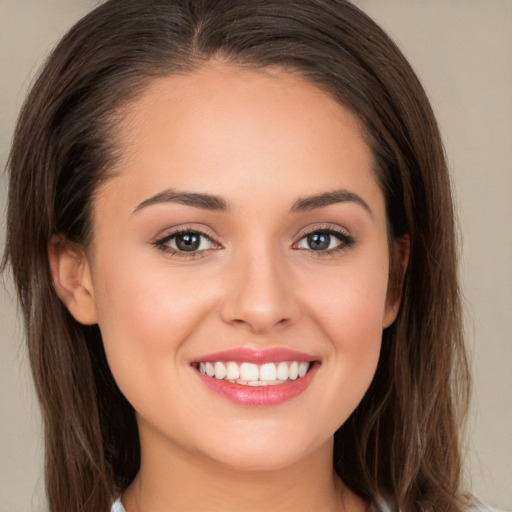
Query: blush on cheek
[{"x": 352, "y": 308}]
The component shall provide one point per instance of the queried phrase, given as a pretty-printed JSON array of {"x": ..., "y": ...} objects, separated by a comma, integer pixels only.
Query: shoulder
[{"x": 117, "y": 506}]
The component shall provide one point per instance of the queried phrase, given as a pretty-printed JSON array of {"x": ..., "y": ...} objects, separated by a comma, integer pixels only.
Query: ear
[
  {"x": 72, "y": 279},
  {"x": 399, "y": 262}
]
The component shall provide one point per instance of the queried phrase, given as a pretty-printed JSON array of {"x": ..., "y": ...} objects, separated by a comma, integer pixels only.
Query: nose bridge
[{"x": 260, "y": 295}]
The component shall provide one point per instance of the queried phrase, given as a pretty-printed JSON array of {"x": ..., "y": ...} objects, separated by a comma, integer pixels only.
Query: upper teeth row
[{"x": 269, "y": 373}]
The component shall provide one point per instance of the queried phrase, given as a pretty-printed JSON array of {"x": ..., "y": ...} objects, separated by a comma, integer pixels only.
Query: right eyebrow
[
  {"x": 203, "y": 201},
  {"x": 328, "y": 198}
]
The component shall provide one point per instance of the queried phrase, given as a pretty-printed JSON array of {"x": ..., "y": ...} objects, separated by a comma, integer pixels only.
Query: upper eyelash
[{"x": 160, "y": 243}]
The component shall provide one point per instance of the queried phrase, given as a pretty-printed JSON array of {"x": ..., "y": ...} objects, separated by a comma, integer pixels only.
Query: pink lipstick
[{"x": 257, "y": 377}]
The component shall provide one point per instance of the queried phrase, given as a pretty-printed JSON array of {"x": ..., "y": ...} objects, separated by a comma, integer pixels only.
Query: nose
[{"x": 260, "y": 296}]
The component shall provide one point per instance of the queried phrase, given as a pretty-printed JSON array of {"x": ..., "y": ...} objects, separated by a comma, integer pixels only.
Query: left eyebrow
[
  {"x": 329, "y": 198},
  {"x": 203, "y": 201}
]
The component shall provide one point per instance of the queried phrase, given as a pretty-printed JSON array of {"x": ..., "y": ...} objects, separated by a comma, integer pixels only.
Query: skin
[{"x": 261, "y": 141}]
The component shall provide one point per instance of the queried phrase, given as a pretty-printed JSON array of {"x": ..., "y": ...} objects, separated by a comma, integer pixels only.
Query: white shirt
[
  {"x": 385, "y": 507},
  {"x": 117, "y": 506}
]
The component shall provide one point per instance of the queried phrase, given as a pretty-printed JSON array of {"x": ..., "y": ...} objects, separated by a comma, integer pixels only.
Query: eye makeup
[{"x": 190, "y": 243}]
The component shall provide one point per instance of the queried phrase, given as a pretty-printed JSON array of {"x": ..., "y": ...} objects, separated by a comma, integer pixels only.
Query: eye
[
  {"x": 186, "y": 241},
  {"x": 325, "y": 240}
]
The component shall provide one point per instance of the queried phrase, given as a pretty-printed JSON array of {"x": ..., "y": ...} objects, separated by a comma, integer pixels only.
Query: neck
[{"x": 173, "y": 479}]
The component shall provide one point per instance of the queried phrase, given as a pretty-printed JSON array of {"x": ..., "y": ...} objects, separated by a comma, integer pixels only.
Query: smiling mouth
[{"x": 250, "y": 374}]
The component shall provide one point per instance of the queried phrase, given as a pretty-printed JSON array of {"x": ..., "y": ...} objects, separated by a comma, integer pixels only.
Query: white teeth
[
  {"x": 294, "y": 370},
  {"x": 220, "y": 370},
  {"x": 268, "y": 371},
  {"x": 249, "y": 371},
  {"x": 303, "y": 369},
  {"x": 249, "y": 374},
  {"x": 282, "y": 371},
  {"x": 233, "y": 371},
  {"x": 210, "y": 370}
]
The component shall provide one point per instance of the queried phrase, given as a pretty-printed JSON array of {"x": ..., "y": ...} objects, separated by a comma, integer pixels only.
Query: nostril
[{"x": 258, "y": 324}]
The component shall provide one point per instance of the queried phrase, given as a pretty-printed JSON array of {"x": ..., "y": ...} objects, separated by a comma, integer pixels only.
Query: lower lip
[{"x": 259, "y": 396}]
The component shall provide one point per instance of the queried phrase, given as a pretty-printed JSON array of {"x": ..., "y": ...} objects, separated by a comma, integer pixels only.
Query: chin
[{"x": 266, "y": 451}]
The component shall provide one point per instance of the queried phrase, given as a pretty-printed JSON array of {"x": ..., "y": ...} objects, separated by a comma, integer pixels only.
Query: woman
[{"x": 239, "y": 285}]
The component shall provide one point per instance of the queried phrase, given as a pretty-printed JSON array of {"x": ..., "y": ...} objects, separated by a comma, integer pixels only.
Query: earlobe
[
  {"x": 401, "y": 252},
  {"x": 72, "y": 279}
]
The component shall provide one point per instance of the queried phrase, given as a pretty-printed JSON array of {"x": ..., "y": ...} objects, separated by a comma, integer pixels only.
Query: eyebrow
[
  {"x": 329, "y": 198},
  {"x": 217, "y": 203},
  {"x": 203, "y": 201}
]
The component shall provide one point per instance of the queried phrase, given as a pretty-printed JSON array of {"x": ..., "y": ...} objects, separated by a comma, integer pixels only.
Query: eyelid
[{"x": 326, "y": 228}]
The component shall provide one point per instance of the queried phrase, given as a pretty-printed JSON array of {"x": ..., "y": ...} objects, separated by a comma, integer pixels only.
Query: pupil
[
  {"x": 187, "y": 242},
  {"x": 319, "y": 241}
]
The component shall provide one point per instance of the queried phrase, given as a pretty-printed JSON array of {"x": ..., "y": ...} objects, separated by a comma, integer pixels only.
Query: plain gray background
[{"x": 462, "y": 52}]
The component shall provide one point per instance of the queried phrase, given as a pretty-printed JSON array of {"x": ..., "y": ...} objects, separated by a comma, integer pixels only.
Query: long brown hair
[{"x": 402, "y": 441}]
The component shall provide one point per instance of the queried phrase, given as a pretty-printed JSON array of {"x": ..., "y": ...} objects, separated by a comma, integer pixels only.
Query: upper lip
[{"x": 256, "y": 356}]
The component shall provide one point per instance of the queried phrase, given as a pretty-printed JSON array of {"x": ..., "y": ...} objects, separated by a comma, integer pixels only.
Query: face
[{"x": 239, "y": 266}]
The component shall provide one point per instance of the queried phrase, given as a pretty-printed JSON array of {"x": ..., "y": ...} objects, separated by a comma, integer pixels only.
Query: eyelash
[
  {"x": 346, "y": 241},
  {"x": 161, "y": 243}
]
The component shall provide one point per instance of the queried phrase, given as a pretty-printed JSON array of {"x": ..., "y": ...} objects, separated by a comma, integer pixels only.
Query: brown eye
[{"x": 188, "y": 241}]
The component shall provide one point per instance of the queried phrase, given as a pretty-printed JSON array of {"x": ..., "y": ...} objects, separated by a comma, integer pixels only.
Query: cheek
[
  {"x": 139, "y": 298},
  {"x": 350, "y": 303},
  {"x": 350, "y": 311},
  {"x": 145, "y": 315}
]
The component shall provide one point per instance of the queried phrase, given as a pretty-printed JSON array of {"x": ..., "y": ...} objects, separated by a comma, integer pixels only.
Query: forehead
[{"x": 223, "y": 129}]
